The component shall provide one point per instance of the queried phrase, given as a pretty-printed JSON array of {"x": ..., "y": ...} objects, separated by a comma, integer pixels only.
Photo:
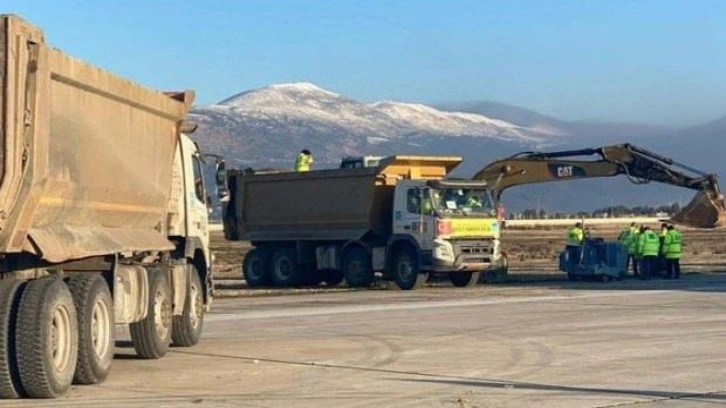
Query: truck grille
[{"x": 475, "y": 251}]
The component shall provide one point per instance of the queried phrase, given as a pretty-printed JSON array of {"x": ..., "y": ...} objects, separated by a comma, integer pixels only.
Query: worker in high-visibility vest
[
  {"x": 575, "y": 236},
  {"x": 304, "y": 160},
  {"x": 633, "y": 250},
  {"x": 672, "y": 248},
  {"x": 648, "y": 247},
  {"x": 628, "y": 239}
]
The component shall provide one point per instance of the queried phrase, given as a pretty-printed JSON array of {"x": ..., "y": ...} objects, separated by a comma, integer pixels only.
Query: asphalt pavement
[{"x": 553, "y": 344}]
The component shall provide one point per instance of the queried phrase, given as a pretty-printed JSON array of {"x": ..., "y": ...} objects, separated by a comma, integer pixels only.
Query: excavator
[
  {"x": 640, "y": 166},
  {"x": 706, "y": 210}
]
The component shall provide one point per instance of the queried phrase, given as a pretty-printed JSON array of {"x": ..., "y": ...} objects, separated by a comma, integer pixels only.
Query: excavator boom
[{"x": 640, "y": 166}]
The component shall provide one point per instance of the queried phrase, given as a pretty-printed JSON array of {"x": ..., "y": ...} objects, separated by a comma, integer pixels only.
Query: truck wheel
[
  {"x": 152, "y": 335},
  {"x": 285, "y": 270},
  {"x": 46, "y": 338},
  {"x": 9, "y": 379},
  {"x": 464, "y": 279},
  {"x": 187, "y": 328},
  {"x": 357, "y": 268},
  {"x": 406, "y": 272},
  {"x": 255, "y": 269},
  {"x": 94, "y": 309}
]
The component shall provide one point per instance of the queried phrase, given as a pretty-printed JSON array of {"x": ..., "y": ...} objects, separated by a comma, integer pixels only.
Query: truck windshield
[{"x": 475, "y": 201}]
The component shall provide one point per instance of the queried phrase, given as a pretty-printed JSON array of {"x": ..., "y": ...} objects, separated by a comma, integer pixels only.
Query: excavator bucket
[{"x": 706, "y": 210}]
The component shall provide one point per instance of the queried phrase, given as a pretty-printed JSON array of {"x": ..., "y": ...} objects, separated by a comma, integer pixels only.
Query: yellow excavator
[
  {"x": 640, "y": 166},
  {"x": 598, "y": 258}
]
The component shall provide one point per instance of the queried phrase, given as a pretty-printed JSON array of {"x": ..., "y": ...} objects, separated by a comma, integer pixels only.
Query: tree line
[{"x": 609, "y": 212}]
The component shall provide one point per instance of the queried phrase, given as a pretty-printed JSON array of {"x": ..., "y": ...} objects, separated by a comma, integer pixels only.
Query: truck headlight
[{"x": 443, "y": 250}]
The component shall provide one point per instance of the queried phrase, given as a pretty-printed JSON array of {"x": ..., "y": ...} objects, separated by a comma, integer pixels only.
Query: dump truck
[
  {"x": 402, "y": 218},
  {"x": 103, "y": 219}
]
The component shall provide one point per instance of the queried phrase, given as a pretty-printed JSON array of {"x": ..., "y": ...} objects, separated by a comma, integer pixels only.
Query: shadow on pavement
[{"x": 694, "y": 281}]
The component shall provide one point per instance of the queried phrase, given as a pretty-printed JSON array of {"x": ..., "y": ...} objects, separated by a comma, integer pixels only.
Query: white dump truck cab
[
  {"x": 452, "y": 223},
  {"x": 188, "y": 213}
]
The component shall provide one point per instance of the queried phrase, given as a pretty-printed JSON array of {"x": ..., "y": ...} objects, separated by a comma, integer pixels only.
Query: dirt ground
[{"x": 530, "y": 250}]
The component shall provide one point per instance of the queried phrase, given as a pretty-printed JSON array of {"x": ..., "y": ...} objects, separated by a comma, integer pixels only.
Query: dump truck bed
[
  {"x": 340, "y": 204},
  {"x": 86, "y": 155},
  {"x": 298, "y": 206}
]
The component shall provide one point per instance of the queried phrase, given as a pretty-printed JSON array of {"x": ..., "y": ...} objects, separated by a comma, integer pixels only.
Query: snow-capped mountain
[{"x": 267, "y": 126}]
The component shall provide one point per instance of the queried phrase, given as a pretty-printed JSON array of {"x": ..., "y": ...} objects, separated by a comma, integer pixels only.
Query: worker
[
  {"x": 304, "y": 160},
  {"x": 628, "y": 239},
  {"x": 648, "y": 247},
  {"x": 662, "y": 235},
  {"x": 672, "y": 251},
  {"x": 472, "y": 201},
  {"x": 575, "y": 236},
  {"x": 633, "y": 250},
  {"x": 663, "y": 230},
  {"x": 427, "y": 206}
]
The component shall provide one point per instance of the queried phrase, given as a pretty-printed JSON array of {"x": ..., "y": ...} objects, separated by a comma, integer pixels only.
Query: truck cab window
[
  {"x": 413, "y": 201},
  {"x": 198, "y": 179}
]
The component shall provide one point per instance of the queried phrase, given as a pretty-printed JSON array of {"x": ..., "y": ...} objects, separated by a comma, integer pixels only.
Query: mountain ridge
[{"x": 268, "y": 126}]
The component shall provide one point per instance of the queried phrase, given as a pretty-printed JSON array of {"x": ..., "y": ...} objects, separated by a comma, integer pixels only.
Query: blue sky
[{"x": 660, "y": 62}]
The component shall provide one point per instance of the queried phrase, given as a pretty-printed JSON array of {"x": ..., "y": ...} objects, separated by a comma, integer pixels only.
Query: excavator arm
[{"x": 640, "y": 166}]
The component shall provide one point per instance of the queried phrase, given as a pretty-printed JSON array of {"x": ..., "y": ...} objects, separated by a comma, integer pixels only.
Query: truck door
[
  {"x": 414, "y": 216},
  {"x": 197, "y": 203}
]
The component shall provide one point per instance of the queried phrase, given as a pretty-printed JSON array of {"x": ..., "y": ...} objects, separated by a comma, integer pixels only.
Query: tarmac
[{"x": 549, "y": 344}]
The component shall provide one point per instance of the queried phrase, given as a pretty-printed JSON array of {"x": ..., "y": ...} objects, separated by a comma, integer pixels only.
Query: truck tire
[
  {"x": 152, "y": 335},
  {"x": 406, "y": 270},
  {"x": 46, "y": 338},
  {"x": 357, "y": 268},
  {"x": 255, "y": 268},
  {"x": 187, "y": 328},
  {"x": 9, "y": 379},
  {"x": 464, "y": 279},
  {"x": 284, "y": 269},
  {"x": 94, "y": 308}
]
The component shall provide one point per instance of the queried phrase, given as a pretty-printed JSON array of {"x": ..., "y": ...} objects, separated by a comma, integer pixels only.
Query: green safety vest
[
  {"x": 625, "y": 236},
  {"x": 648, "y": 244},
  {"x": 428, "y": 207},
  {"x": 574, "y": 236},
  {"x": 302, "y": 163},
  {"x": 672, "y": 246},
  {"x": 633, "y": 243},
  {"x": 472, "y": 202}
]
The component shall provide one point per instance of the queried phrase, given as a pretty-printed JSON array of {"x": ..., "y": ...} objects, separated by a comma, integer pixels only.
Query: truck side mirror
[{"x": 221, "y": 180}]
